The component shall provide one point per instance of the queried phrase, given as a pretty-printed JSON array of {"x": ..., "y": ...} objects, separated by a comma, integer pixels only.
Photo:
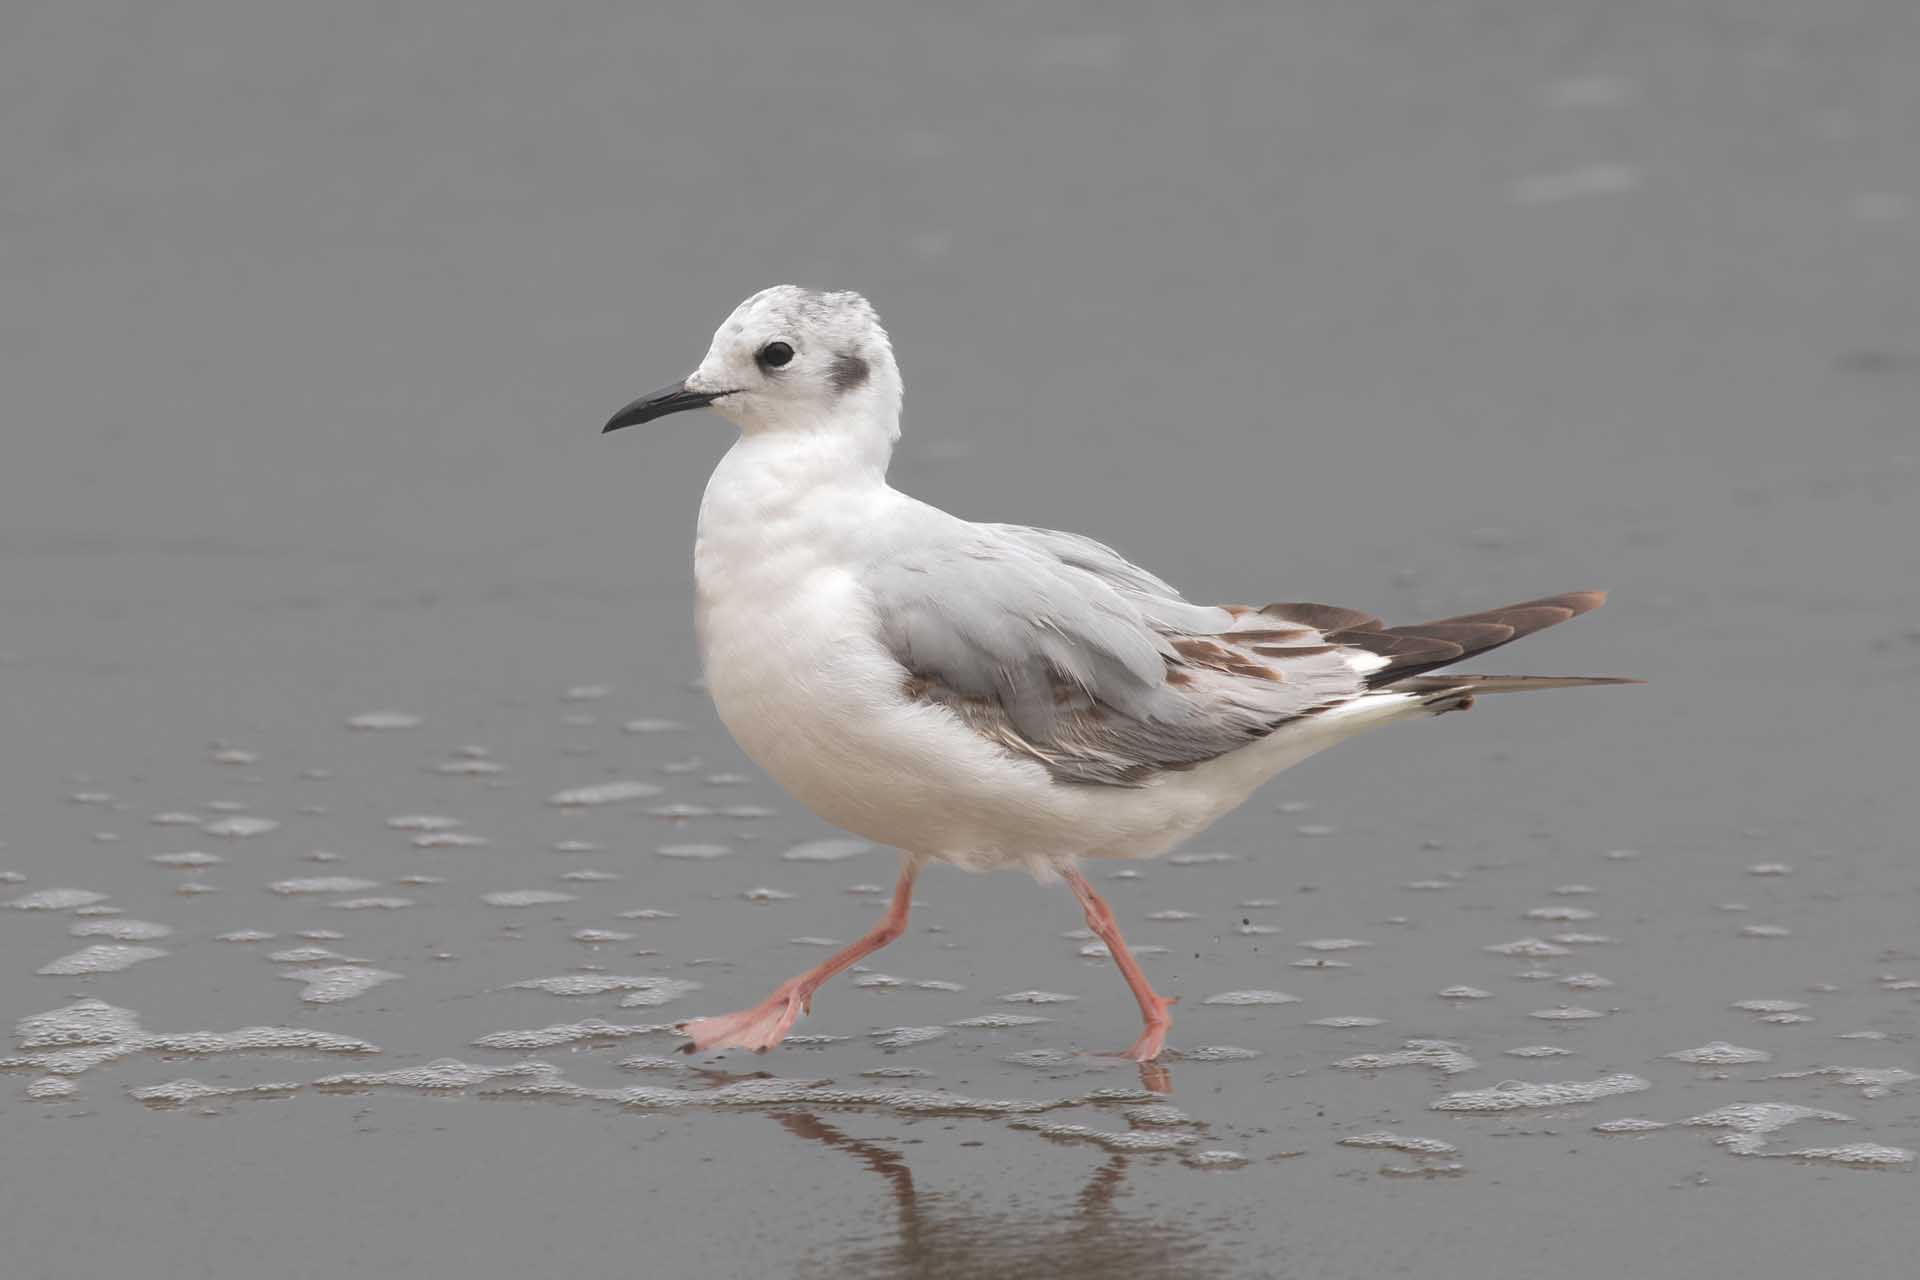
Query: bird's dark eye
[{"x": 775, "y": 354}]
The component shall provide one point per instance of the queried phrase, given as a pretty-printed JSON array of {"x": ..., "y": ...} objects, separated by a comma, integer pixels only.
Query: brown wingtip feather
[
  {"x": 1477, "y": 633},
  {"x": 1427, "y": 646}
]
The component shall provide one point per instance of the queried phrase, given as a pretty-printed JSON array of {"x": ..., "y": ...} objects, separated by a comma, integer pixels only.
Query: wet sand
[{"x": 311, "y": 322}]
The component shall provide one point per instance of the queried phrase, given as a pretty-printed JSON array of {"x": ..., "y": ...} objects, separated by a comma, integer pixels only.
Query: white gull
[{"x": 991, "y": 695}]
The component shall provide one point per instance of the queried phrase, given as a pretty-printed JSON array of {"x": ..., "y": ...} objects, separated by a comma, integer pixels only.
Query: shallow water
[{"x": 363, "y": 830}]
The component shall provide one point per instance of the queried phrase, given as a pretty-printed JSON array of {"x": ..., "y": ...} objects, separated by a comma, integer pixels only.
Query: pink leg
[
  {"x": 1153, "y": 1007},
  {"x": 767, "y": 1023}
]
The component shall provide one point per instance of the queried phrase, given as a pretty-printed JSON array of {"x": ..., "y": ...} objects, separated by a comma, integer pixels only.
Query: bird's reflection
[{"x": 943, "y": 1234}]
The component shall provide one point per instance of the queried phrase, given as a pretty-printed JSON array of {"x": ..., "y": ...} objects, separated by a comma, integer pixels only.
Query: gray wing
[{"x": 1059, "y": 650}]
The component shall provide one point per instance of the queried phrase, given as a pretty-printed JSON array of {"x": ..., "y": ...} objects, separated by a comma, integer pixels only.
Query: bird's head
[{"x": 791, "y": 359}]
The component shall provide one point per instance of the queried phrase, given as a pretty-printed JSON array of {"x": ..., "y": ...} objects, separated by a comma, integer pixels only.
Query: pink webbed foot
[{"x": 759, "y": 1028}]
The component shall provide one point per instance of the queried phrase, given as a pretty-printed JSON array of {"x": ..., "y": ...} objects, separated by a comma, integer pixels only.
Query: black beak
[{"x": 670, "y": 399}]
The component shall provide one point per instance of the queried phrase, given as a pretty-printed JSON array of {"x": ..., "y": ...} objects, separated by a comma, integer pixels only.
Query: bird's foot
[
  {"x": 1154, "y": 1038},
  {"x": 759, "y": 1028}
]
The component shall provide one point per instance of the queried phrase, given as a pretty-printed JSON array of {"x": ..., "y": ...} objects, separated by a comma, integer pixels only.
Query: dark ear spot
[{"x": 849, "y": 372}]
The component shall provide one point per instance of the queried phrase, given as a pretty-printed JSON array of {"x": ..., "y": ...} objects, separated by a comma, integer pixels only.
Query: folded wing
[{"x": 1059, "y": 650}]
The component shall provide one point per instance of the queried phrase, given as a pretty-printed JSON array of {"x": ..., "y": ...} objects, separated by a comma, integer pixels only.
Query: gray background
[{"x": 311, "y": 314}]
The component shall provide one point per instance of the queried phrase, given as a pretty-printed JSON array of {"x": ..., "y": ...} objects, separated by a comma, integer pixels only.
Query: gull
[{"x": 992, "y": 695}]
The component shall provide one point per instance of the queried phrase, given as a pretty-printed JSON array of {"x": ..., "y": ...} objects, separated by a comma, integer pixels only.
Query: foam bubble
[
  {"x": 191, "y": 860},
  {"x": 1516, "y": 1095},
  {"x": 448, "y": 840},
  {"x": 1752, "y": 1123},
  {"x": 1586, "y": 982},
  {"x": 335, "y": 983},
  {"x": 1001, "y": 1021},
  {"x": 602, "y": 793},
  {"x": 180, "y": 1093},
  {"x": 1215, "y": 1053},
  {"x": 1864, "y": 1155},
  {"x": 1116, "y": 1142},
  {"x": 1630, "y": 1124},
  {"x": 310, "y": 955},
  {"x": 55, "y": 900},
  {"x": 1873, "y": 1082},
  {"x": 422, "y": 822},
  {"x": 906, "y": 1037},
  {"x": 594, "y": 937},
  {"x": 1561, "y": 913},
  {"x": 443, "y": 1075},
  {"x": 826, "y": 850},
  {"x": 83, "y": 1035},
  {"x": 1718, "y": 1053},
  {"x": 1158, "y": 1115},
  {"x": 469, "y": 768},
  {"x": 120, "y": 929},
  {"x": 1534, "y": 947},
  {"x": 239, "y": 826},
  {"x": 569, "y": 1033},
  {"x": 694, "y": 852},
  {"x": 1396, "y": 1142},
  {"x": 593, "y": 984},
  {"x": 101, "y": 957},
  {"x": 1444, "y": 1056},
  {"x": 384, "y": 720},
  {"x": 83, "y": 1022},
  {"x": 1347, "y": 1020},
  {"x": 1216, "y": 1160},
  {"x": 650, "y": 1062},
  {"x": 525, "y": 897},
  {"x": 322, "y": 884},
  {"x": 1251, "y": 998}
]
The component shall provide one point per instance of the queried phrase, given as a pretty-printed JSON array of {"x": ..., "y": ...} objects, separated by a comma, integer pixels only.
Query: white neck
[{"x": 810, "y": 446}]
